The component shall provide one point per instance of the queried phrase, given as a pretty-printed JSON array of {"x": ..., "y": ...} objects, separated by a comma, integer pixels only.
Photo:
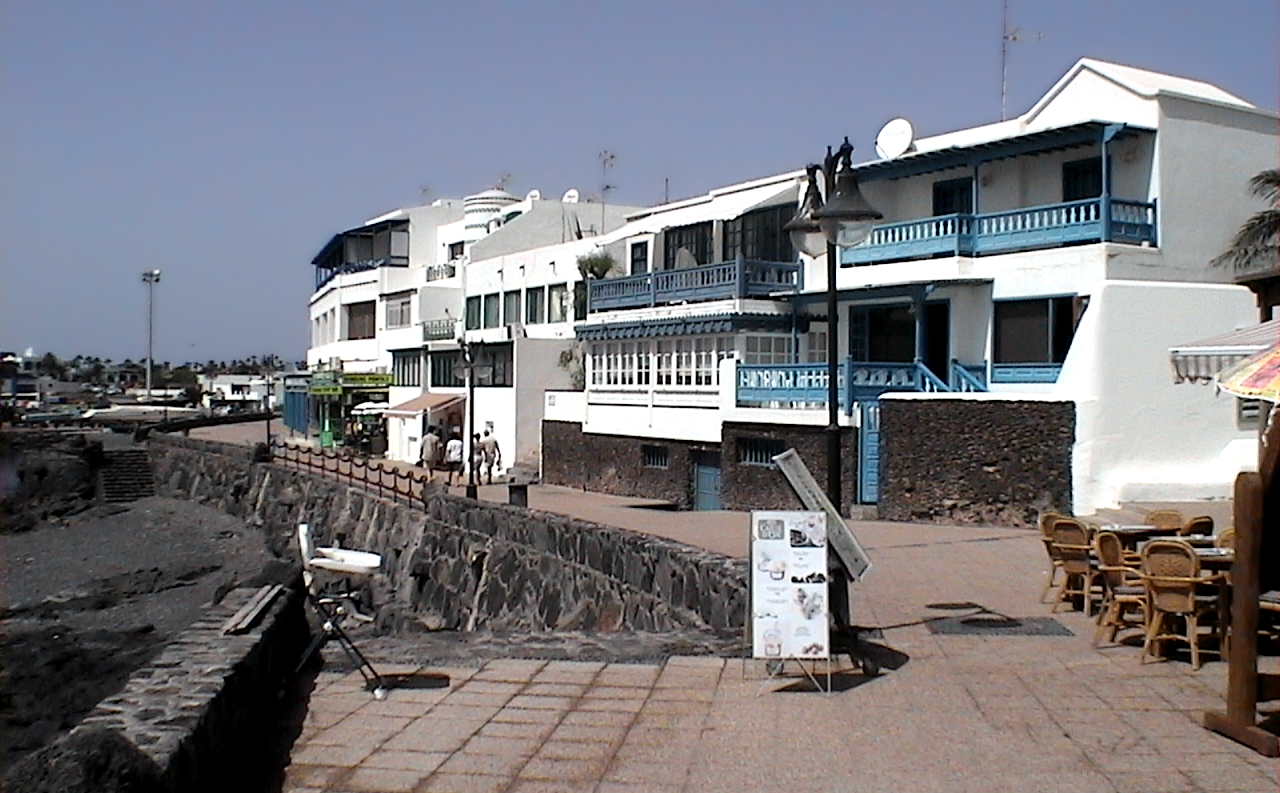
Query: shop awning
[
  {"x": 424, "y": 403},
  {"x": 1200, "y": 361}
]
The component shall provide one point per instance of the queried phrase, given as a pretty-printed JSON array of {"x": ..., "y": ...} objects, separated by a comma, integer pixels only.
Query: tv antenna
[
  {"x": 607, "y": 159},
  {"x": 424, "y": 190},
  {"x": 1008, "y": 35},
  {"x": 502, "y": 182}
]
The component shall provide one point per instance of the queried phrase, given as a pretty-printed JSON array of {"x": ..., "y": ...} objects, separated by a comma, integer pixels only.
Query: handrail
[
  {"x": 928, "y": 381},
  {"x": 736, "y": 278},
  {"x": 372, "y": 472},
  {"x": 964, "y": 380}
]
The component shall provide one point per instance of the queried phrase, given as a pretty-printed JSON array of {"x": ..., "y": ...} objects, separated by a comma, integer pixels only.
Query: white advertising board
[{"x": 789, "y": 603}]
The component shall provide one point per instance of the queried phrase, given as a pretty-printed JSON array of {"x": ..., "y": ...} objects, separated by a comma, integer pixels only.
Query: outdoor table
[
  {"x": 1130, "y": 536},
  {"x": 1197, "y": 541},
  {"x": 1216, "y": 559}
]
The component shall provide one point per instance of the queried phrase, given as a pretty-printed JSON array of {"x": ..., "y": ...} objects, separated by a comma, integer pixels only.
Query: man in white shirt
[{"x": 453, "y": 457}]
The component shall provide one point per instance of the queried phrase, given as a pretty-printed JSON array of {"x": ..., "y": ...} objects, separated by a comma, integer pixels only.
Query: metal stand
[{"x": 332, "y": 613}]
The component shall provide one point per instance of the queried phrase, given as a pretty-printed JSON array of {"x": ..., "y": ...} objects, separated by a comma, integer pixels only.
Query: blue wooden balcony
[
  {"x": 804, "y": 385},
  {"x": 1025, "y": 372},
  {"x": 1102, "y": 219},
  {"x": 741, "y": 278}
]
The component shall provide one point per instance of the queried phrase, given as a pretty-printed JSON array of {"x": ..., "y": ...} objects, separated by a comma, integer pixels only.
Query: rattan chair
[
  {"x": 1122, "y": 588},
  {"x": 1071, "y": 544},
  {"x": 1047, "y": 520},
  {"x": 1227, "y": 539},
  {"x": 1201, "y": 524},
  {"x": 1171, "y": 571},
  {"x": 1166, "y": 519}
]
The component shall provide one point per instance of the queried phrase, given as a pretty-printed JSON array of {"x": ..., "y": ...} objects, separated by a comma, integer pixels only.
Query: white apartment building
[{"x": 1053, "y": 256}]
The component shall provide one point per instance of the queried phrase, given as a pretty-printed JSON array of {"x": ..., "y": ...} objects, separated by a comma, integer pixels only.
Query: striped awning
[
  {"x": 1201, "y": 361},
  {"x": 689, "y": 326}
]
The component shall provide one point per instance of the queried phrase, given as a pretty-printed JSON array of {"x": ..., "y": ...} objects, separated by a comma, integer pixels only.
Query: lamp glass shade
[
  {"x": 847, "y": 218},
  {"x": 807, "y": 237}
]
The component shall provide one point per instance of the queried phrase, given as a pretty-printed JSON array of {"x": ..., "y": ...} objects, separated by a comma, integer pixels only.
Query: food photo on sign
[{"x": 789, "y": 605}]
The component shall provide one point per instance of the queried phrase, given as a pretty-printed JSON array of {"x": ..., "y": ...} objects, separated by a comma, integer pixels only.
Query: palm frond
[
  {"x": 1256, "y": 244},
  {"x": 1266, "y": 185}
]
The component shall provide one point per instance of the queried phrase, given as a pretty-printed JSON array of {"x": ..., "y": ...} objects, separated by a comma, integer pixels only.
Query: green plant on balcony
[{"x": 596, "y": 265}]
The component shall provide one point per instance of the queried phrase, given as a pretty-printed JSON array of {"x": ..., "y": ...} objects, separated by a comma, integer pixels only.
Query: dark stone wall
[
  {"x": 746, "y": 487},
  {"x": 614, "y": 464},
  {"x": 967, "y": 461},
  {"x": 453, "y": 562}
]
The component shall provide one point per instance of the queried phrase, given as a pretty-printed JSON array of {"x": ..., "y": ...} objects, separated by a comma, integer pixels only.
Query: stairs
[{"x": 126, "y": 476}]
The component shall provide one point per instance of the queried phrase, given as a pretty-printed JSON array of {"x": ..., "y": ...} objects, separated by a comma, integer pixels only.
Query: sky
[{"x": 224, "y": 142}]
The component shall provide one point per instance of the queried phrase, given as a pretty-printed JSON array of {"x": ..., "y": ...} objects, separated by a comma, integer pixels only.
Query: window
[
  {"x": 400, "y": 310},
  {"x": 558, "y": 303},
  {"x": 953, "y": 196},
  {"x": 535, "y": 306},
  {"x": 665, "y": 363},
  {"x": 442, "y": 369},
  {"x": 768, "y": 350},
  {"x": 655, "y": 456},
  {"x": 511, "y": 307},
  {"x": 642, "y": 363},
  {"x": 497, "y": 357},
  {"x": 684, "y": 361},
  {"x": 1249, "y": 414},
  {"x": 406, "y": 367},
  {"x": 816, "y": 347},
  {"x": 361, "y": 319},
  {"x": 456, "y": 249},
  {"x": 1035, "y": 331},
  {"x": 759, "y": 451},
  {"x": 706, "y": 364},
  {"x": 759, "y": 235},
  {"x": 473, "y": 312},
  {"x": 687, "y": 246},
  {"x": 1082, "y": 179},
  {"x": 491, "y": 307},
  {"x": 640, "y": 259},
  {"x": 597, "y": 364}
]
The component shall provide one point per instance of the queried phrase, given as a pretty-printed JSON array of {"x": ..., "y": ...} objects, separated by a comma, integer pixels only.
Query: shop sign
[
  {"x": 789, "y": 604},
  {"x": 367, "y": 379},
  {"x": 325, "y": 390}
]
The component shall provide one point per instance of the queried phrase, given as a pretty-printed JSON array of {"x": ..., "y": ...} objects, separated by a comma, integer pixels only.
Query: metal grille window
[
  {"x": 534, "y": 306},
  {"x": 511, "y": 307},
  {"x": 759, "y": 235},
  {"x": 442, "y": 369},
  {"x": 759, "y": 451},
  {"x": 399, "y": 310},
  {"x": 491, "y": 309},
  {"x": 558, "y": 303},
  {"x": 361, "y": 320},
  {"x": 473, "y": 313},
  {"x": 406, "y": 367},
  {"x": 687, "y": 246},
  {"x": 655, "y": 456}
]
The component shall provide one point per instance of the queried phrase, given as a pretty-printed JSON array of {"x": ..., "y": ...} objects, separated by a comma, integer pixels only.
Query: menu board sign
[{"x": 789, "y": 603}]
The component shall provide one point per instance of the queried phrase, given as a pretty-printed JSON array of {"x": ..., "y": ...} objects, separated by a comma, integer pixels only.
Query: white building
[{"x": 1055, "y": 255}]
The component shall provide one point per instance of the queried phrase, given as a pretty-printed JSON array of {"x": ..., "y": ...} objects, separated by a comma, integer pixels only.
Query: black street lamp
[
  {"x": 472, "y": 368},
  {"x": 845, "y": 220}
]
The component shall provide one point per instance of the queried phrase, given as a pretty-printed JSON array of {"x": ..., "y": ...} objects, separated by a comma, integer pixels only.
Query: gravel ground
[{"x": 85, "y": 601}]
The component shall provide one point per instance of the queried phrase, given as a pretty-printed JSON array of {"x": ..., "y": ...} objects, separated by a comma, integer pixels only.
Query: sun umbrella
[{"x": 1256, "y": 377}]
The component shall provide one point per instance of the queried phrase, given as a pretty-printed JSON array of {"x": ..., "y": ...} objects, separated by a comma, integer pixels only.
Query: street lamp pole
[
  {"x": 817, "y": 229},
  {"x": 150, "y": 278},
  {"x": 267, "y": 403}
]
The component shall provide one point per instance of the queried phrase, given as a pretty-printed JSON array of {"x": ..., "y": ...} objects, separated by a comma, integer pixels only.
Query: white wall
[
  {"x": 535, "y": 268},
  {"x": 537, "y": 368},
  {"x": 1136, "y": 431}
]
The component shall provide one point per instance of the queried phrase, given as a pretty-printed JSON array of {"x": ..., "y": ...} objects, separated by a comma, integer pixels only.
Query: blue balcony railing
[
  {"x": 802, "y": 385},
  {"x": 1025, "y": 372},
  {"x": 740, "y": 278},
  {"x": 1049, "y": 226}
]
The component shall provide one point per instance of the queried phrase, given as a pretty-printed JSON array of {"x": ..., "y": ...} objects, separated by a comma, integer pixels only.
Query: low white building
[{"x": 1056, "y": 255}]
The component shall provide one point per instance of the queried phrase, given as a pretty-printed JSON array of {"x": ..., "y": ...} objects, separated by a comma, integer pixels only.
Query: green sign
[
  {"x": 326, "y": 390},
  {"x": 366, "y": 379}
]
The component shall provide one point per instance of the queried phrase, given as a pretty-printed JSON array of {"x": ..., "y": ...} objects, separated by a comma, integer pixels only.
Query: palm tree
[{"x": 1256, "y": 246}]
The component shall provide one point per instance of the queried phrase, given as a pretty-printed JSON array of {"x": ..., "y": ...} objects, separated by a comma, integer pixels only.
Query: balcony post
[
  {"x": 922, "y": 324},
  {"x": 739, "y": 276},
  {"x": 653, "y": 288}
]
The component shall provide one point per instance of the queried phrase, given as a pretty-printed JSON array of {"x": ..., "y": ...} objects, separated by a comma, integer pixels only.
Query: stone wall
[
  {"x": 614, "y": 464},
  {"x": 993, "y": 462},
  {"x": 200, "y": 717},
  {"x": 455, "y": 563},
  {"x": 747, "y": 486}
]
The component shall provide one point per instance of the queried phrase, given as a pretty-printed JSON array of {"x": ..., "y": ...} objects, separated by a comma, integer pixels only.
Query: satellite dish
[
  {"x": 533, "y": 195},
  {"x": 570, "y": 196},
  {"x": 895, "y": 139}
]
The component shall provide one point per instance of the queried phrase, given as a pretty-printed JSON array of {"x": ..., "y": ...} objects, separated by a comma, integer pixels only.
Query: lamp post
[
  {"x": 150, "y": 278},
  {"x": 472, "y": 369},
  {"x": 267, "y": 402},
  {"x": 845, "y": 220}
]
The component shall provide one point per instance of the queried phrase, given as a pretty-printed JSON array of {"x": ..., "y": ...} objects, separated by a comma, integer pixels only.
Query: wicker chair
[
  {"x": 1122, "y": 588},
  {"x": 1071, "y": 544},
  {"x": 1047, "y": 519},
  {"x": 1227, "y": 539},
  {"x": 1201, "y": 524},
  {"x": 1166, "y": 519},
  {"x": 1171, "y": 571}
]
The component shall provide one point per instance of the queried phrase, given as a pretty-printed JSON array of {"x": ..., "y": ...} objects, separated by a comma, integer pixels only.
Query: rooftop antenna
[
  {"x": 1008, "y": 35},
  {"x": 502, "y": 182},
  {"x": 606, "y": 162},
  {"x": 424, "y": 190}
]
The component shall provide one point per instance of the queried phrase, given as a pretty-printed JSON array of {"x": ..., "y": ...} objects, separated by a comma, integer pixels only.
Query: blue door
[
  {"x": 706, "y": 480},
  {"x": 869, "y": 452}
]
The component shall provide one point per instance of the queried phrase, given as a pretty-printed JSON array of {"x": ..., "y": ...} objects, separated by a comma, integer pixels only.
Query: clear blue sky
[{"x": 224, "y": 141}]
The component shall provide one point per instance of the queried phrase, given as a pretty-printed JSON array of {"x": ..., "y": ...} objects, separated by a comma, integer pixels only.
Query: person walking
[
  {"x": 491, "y": 453},
  {"x": 430, "y": 452},
  {"x": 453, "y": 457}
]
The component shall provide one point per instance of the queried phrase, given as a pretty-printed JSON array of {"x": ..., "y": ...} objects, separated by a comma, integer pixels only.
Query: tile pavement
[{"x": 964, "y": 712}]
